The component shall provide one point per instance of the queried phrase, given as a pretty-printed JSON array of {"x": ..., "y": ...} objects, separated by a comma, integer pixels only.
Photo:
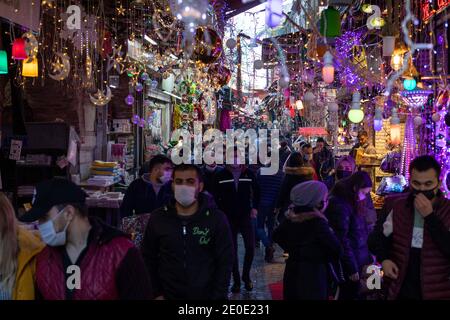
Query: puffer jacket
[
  {"x": 111, "y": 268},
  {"x": 435, "y": 252},
  {"x": 353, "y": 231}
]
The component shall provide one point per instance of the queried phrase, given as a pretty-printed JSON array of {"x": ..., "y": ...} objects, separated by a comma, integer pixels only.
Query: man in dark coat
[
  {"x": 412, "y": 237},
  {"x": 151, "y": 191},
  {"x": 237, "y": 195},
  {"x": 187, "y": 245}
]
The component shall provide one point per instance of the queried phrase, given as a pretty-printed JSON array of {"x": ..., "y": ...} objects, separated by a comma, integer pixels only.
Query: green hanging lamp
[
  {"x": 3, "y": 62},
  {"x": 330, "y": 23}
]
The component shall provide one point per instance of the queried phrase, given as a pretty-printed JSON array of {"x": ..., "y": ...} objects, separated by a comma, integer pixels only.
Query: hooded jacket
[
  {"x": 140, "y": 197},
  {"x": 29, "y": 246},
  {"x": 311, "y": 245},
  {"x": 189, "y": 257},
  {"x": 352, "y": 230}
]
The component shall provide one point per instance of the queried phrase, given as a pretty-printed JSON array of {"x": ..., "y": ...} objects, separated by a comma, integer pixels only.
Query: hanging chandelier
[{"x": 415, "y": 98}]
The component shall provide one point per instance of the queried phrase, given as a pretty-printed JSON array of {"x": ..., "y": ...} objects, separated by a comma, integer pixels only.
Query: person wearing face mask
[
  {"x": 187, "y": 244},
  {"x": 237, "y": 195},
  {"x": 18, "y": 250},
  {"x": 151, "y": 191},
  {"x": 309, "y": 241},
  {"x": 109, "y": 266},
  {"x": 323, "y": 160},
  {"x": 346, "y": 213},
  {"x": 412, "y": 237},
  {"x": 209, "y": 171}
]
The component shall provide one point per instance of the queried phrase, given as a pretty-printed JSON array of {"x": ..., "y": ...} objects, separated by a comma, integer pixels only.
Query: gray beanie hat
[{"x": 308, "y": 194}]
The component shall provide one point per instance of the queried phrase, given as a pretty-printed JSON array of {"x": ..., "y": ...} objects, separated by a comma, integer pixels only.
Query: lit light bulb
[
  {"x": 328, "y": 68},
  {"x": 409, "y": 84},
  {"x": 299, "y": 104},
  {"x": 356, "y": 115},
  {"x": 395, "y": 128},
  {"x": 378, "y": 120}
]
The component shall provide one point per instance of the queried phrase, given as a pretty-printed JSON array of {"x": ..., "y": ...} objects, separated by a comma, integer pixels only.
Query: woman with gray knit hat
[{"x": 310, "y": 242}]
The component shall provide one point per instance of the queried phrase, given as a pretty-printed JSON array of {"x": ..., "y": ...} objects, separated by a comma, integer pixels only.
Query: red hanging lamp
[{"x": 18, "y": 49}]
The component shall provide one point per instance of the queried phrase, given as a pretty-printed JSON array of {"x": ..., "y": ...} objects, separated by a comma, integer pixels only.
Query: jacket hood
[
  {"x": 305, "y": 216},
  {"x": 104, "y": 233},
  {"x": 30, "y": 244},
  {"x": 297, "y": 171}
]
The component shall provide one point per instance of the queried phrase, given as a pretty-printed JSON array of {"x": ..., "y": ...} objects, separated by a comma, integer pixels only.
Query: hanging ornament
[
  {"x": 116, "y": 61},
  {"x": 378, "y": 120},
  {"x": 101, "y": 99},
  {"x": 191, "y": 12},
  {"x": 221, "y": 73},
  {"x": 418, "y": 121},
  {"x": 139, "y": 87},
  {"x": 328, "y": 68},
  {"x": 356, "y": 115},
  {"x": 31, "y": 45},
  {"x": 129, "y": 100},
  {"x": 397, "y": 57},
  {"x": 274, "y": 13},
  {"x": 30, "y": 69},
  {"x": 208, "y": 46},
  {"x": 436, "y": 117},
  {"x": 3, "y": 62},
  {"x": 145, "y": 76},
  {"x": 231, "y": 43},
  {"x": 330, "y": 23},
  {"x": 136, "y": 119},
  {"x": 395, "y": 128},
  {"x": 18, "y": 49},
  {"x": 375, "y": 21},
  {"x": 409, "y": 84},
  {"x": 61, "y": 67}
]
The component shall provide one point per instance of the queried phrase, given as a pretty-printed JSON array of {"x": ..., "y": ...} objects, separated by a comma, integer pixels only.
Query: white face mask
[
  {"x": 49, "y": 234},
  {"x": 185, "y": 195},
  {"x": 166, "y": 177},
  {"x": 308, "y": 157}
]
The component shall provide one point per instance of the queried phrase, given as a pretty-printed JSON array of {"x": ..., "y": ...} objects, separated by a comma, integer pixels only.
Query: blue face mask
[{"x": 49, "y": 234}]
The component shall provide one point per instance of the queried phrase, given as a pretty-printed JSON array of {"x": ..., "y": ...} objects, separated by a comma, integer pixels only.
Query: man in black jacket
[
  {"x": 237, "y": 194},
  {"x": 187, "y": 245},
  {"x": 151, "y": 191}
]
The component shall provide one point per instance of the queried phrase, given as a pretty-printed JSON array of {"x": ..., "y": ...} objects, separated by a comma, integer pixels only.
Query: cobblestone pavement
[{"x": 262, "y": 274}]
